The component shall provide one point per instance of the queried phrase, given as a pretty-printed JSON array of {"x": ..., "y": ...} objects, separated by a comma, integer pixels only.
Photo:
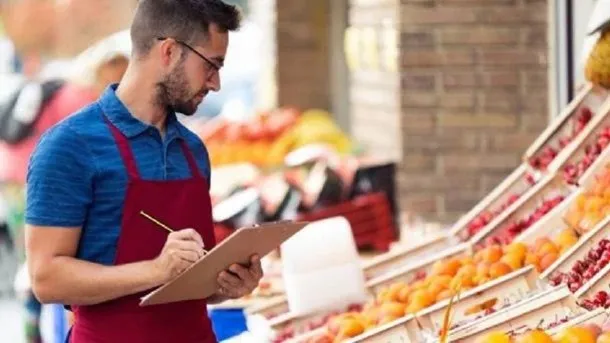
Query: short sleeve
[{"x": 59, "y": 180}]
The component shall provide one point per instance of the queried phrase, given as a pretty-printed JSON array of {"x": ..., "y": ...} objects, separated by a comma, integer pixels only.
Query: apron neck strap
[
  {"x": 129, "y": 160},
  {"x": 126, "y": 153},
  {"x": 190, "y": 159}
]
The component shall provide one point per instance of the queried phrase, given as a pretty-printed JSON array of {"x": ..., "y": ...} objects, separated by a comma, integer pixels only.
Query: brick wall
[
  {"x": 474, "y": 96},
  {"x": 303, "y": 53},
  {"x": 375, "y": 88}
]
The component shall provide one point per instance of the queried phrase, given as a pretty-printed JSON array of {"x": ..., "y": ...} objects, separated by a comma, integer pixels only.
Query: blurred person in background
[{"x": 42, "y": 83}]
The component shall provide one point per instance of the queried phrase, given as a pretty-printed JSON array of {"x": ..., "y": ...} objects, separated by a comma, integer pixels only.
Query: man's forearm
[{"x": 70, "y": 281}]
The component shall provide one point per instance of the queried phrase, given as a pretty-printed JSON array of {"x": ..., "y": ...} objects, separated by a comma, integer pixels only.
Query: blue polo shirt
[{"x": 76, "y": 177}]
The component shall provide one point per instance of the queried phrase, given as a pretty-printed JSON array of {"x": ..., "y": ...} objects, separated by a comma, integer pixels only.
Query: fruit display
[
  {"x": 573, "y": 171},
  {"x": 584, "y": 269},
  {"x": 485, "y": 217},
  {"x": 505, "y": 194},
  {"x": 443, "y": 281},
  {"x": 507, "y": 233},
  {"x": 592, "y": 205},
  {"x": 544, "y": 158},
  {"x": 268, "y": 138}
]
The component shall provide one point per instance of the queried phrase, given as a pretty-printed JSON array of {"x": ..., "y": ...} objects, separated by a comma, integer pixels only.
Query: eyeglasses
[{"x": 213, "y": 65}]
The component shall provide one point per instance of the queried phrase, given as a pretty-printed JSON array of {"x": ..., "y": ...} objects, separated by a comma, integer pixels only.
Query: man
[{"x": 92, "y": 175}]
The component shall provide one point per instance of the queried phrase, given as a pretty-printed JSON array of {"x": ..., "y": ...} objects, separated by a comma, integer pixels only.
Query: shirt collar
[{"x": 129, "y": 125}]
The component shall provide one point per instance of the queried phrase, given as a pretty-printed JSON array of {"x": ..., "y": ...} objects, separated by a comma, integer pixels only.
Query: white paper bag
[{"x": 321, "y": 268}]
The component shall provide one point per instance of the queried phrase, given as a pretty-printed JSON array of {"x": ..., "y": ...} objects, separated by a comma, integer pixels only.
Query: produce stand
[{"x": 524, "y": 228}]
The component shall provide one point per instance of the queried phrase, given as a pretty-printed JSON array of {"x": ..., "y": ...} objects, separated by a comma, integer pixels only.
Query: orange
[
  {"x": 498, "y": 269},
  {"x": 576, "y": 335},
  {"x": 536, "y": 336},
  {"x": 547, "y": 260},
  {"x": 492, "y": 254},
  {"x": 514, "y": 261}
]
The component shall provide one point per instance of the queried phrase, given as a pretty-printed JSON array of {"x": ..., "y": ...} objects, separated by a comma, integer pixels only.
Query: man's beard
[{"x": 173, "y": 93}]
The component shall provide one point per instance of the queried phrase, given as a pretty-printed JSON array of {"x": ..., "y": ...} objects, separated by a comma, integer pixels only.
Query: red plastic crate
[{"x": 369, "y": 215}]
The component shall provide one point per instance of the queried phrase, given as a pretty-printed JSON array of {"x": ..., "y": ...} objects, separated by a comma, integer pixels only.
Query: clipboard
[{"x": 199, "y": 280}]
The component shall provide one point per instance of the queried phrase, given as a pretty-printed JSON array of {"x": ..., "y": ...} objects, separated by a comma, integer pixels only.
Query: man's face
[
  {"x": 186, "y": 84},
  {"x": 30, "y": 24}
]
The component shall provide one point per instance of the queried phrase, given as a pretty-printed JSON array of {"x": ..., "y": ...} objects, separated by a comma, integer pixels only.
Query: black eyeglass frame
[{"x": 214, "y": 66}]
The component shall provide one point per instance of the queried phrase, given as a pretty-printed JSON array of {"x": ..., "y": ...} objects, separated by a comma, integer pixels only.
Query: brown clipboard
[{"x": 199, "y": 280}]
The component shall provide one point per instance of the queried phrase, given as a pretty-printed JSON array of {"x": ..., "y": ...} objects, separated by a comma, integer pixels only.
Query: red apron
[{"x": 179, "y": 204}]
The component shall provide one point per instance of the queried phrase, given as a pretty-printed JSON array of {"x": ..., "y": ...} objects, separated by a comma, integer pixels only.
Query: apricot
[
  {"x": 448, "y": 267},
  {"x": 394, "y": 291},
  {"x": 547, "y": 260},
  {"x": 483, "y": 269},
  {"x": 536, "y": 336},
  {"x": 446, "y": 294},
  {"x": 467, "y": 270},
  {"x": 547, "y": 248},
  {"x": 580, "y": 202},
  {"x": 512, "y": 260},
  {"x": 392, "y": 309},
  {"x": 403, "y": 295},
  {"x": 517, "y": 248},
  {"x": 498, "y": 269},
  {"x": 479, "y": 255},
  {"x": 492, "y": 254},
  {"x": 419, "y": 300},
  {"x": 532, "y": 260},
  {"x": 479, "y": 280},
  {"x": 462, "y": 282},
  {"x": 351, "y": 327},
  {"x": 540, "y": 242},
  {"x": 467, "y": 260}
]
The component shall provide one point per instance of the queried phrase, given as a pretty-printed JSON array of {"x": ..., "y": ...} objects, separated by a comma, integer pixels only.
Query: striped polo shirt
[{"x": 76, "y": 177}]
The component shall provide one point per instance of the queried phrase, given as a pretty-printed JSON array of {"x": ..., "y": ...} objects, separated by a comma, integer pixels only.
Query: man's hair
[{"x": 184, "y": 20}]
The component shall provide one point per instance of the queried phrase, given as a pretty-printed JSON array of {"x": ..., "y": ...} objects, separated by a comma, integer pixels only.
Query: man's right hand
[{"x": 181, "y": 249}]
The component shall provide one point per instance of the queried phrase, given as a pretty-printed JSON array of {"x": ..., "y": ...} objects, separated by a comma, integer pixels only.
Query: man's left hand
[{"x": 239, "y": 281}]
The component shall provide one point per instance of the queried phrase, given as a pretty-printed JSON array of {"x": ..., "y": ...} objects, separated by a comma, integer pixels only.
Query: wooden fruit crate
[
  {"x": 587, "y": 179},
  {"x": 599, "y": 282},
  {"x": 409, "y": 272},
  {"x": 578, "y": 251},
  {"x": 552, "y": 223},
  {"x": 575, "y": 151},
  {"x": 403, "y": 255},
  {"x": 549, "y": 186},
  {"x": 493, "y": 294},
  {"x": 528, "y": 313},
  {"x": 563, "y": 124},
  {"x": 514, "y": 184}
]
